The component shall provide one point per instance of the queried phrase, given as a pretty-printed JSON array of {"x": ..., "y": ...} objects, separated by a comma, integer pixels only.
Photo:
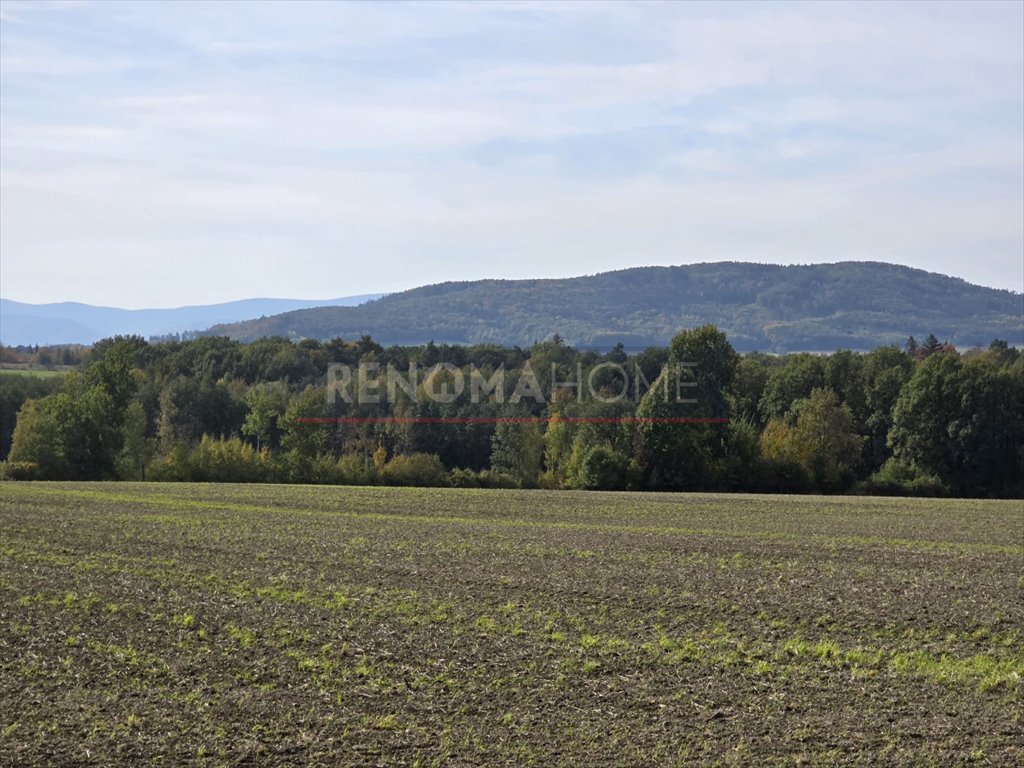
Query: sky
[{"x": 161, "y": 154}]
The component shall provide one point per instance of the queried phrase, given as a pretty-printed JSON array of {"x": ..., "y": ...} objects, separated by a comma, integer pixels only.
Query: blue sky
[{"x": 159, "y": 154}]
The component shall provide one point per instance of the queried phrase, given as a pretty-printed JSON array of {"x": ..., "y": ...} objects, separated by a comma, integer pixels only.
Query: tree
[
  {"x": 988, "y": 430},
  {"x": 794, "y": 380},
  {"x": 15, "y": 390},
  {"x": 645, "y": 366},
  {"x": 964, "y": 422},
  {"x": 138, "y": 448},
  {"x": 191, "y": 408},
  {"x": 886, "y": 371},
  {"x": 264, "y": 404},
  {"x": 679, "y": 454},
  {"x": 601, "y": 468},
  {"x": 844, "y": 375},
  {"x": 742, "y": 464},
  {"x": 713, "y": 362},
  {"x": 35, "y": 440},
  {"x": 1003, "y": 352},
  {"x": 825, "y": 440},
  {"x": 114, "y": 361},
  {"x": 558, "y": 444},
  {"x": 747, "y": 388},
  {"x": 617, "y": 355},
  {"x": 922, "y": 414},
  {"x": 74, "y": 434},
  {"x": 931, "y": 345},
  {"x": 517, "y": 450},
  {"x": 303, "y": 434},
  {"x": 169, "y": 427}
]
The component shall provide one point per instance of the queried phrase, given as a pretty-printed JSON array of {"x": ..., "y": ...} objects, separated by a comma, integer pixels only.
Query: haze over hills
[
  {"x": 74, "y": 323},
  {"x": 816, "y": 307}
]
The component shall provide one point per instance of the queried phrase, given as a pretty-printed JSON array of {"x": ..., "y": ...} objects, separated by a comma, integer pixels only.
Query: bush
[
  {"x": 19, "y": 470},
  {"x": 214, "y": 461},
  {"x": 898, "y": 478},
  {"x": 549, "y": 481},
  {"x": 354, "y": 469},
  {"x": 415, "y": 469},
  {"x": 601, "y": 469},
  {"x": 781, "y": 475},
  {"x": 323, "y": 470},
  {"x": 487, "y": 478},
  {"x": 173, "y": 466}
]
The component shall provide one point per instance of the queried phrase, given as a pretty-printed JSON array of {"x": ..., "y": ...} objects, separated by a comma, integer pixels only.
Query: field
[
  {"x": 43, "y": 373},
  {"x": 150, "y": 624}
]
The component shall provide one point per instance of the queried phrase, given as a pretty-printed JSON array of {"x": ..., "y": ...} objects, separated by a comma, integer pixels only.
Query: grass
[
  {"x": 43, "y": 373},
  {"x": 215, "y": 625}
]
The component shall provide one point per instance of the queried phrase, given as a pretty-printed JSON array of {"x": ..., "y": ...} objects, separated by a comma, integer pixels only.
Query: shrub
[
  {"x": 487, "y": 478},
  {"x": 19, "y": 470},
  {"x": 899, "y": 478},
  {"x": 779, "y": 475},
  {"x": 213, "y": 460},
  {"x": 418, "y": 469},
  {"x": 601, "y": 468},
  {"x": 173, "y": 466},
  {"x": 464, "y": 478},
  {"x": 354, "y": 469}
]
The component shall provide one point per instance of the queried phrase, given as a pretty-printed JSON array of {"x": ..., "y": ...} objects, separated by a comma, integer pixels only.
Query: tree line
[{"x": 921, "y": 419}]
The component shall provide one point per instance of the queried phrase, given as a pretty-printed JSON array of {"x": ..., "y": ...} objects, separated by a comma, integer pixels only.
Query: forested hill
[{"x": 856, "y": 305}]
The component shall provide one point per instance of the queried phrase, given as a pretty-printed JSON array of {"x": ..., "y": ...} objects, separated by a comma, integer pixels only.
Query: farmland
[
  {"x": 189, "y": 624},
  {"x": 43, "y": 373}
]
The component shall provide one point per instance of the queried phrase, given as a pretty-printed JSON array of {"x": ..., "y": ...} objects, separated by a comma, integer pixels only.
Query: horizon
[
  {"x": 372, "y": 296},
  {"x": 163, "y": 155}
]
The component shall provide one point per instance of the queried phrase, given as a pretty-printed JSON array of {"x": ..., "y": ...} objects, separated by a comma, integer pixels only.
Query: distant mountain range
[
  {"x": 74, "y": 323},
  {"x": 816, "y": 307}
]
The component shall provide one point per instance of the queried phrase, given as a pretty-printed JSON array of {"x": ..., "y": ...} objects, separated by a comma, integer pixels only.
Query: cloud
[{"x": 236, "y": 149}]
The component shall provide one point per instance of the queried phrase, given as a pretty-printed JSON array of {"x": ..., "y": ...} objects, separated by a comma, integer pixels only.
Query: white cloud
[{"x": 375, "y": 146}]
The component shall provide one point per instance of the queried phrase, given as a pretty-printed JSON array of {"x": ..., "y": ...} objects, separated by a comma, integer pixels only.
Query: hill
[
  {"x": 74, "y": 323},
  {"x": 857, "y": 305}
]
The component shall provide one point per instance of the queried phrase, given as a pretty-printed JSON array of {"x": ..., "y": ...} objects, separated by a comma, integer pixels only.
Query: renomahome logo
[{"x": 371, "y": 383}]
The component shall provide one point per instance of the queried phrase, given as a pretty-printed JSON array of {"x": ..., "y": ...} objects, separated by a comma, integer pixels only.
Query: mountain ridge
[{"x": 769, "y": 307}]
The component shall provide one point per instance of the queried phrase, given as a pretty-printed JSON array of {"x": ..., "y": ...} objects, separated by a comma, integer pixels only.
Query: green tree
[
  {"x": 600, "y": 468},
  {"x": 191, "y": 408},
  {"x": 987, "y": 431},
  {"x": 844, "y": 375},
  {"x": 74, "y": 434},
  {"x": 558, "y": 443},
  {"x": 671, "y": 452},
  {"x": 964, "y": 422},
  {"x": 114, "y": 361},
  {"x": 781, "y": 469},
  {"x": 931, "y": 345},
  {"x": 36, "y": 440},
  {"x": 138, "y": 448},
  {"x": 15, "y": 390},
  {"x": 926, "y": 407},
  {"x": 825, "y": 440},
  {"x": 747, "y": 388},
  {"x": 264, "y": 407},
  {"x": 302, "y": 433},
  {"x": 517, "y": 450},
  {"x": 886, "y": 371},
  {"x": 792, "y": 381}
]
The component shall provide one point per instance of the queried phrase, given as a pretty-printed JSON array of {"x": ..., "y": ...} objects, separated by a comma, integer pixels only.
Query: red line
[{"x": 510, "y": 419}]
